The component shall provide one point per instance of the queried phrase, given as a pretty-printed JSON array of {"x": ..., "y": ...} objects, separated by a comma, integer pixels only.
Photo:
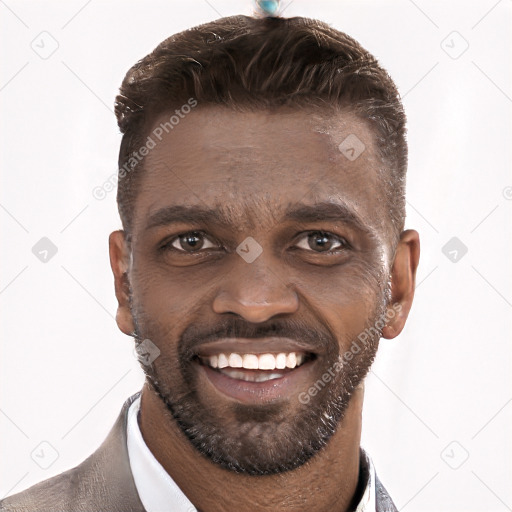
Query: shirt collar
[
  {"x": 157, "y": 490},
  {"x": 160, "y": 493}
]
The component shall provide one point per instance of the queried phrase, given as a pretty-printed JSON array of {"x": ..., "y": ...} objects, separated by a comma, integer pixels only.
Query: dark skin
[{"x": 259, "y": 164}]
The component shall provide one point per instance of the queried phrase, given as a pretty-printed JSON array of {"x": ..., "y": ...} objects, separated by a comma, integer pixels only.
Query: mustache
[{"x": 317, "y": 339}]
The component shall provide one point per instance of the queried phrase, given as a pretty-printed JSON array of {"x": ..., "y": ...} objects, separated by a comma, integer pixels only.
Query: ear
[
  {"x": 120, "y": 263},
  {"x": 403, "y": 283}
]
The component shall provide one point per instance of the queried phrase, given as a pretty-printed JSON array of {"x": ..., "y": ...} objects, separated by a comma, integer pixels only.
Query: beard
[{"x": 268, "y": 438}]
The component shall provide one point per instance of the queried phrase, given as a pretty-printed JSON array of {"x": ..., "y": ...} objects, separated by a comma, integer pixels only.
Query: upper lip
[{"x": 252, "y": 346}]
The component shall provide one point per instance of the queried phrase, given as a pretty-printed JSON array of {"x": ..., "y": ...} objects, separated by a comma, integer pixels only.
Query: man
[{"x": 262, "y": 257}]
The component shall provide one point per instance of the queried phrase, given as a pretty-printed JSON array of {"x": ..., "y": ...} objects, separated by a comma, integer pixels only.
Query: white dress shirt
[{"x": 159, "y": 492}]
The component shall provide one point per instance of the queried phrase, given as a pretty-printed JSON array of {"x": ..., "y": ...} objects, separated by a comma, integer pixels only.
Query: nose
[{"x": 256, "y": 291}]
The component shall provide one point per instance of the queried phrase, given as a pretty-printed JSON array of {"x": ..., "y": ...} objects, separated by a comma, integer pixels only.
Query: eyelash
[{"x": 344, "y": 244}]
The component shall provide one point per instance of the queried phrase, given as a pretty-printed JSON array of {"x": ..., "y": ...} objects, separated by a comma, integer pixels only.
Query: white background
[{"x": 437, "y": 394}]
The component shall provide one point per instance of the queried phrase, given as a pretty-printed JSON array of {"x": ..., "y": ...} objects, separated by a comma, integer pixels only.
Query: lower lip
[{"x": 290, "y": 384}]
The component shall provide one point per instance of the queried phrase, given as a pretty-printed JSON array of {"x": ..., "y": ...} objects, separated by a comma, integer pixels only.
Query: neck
[{"x": 328, "y": 482}]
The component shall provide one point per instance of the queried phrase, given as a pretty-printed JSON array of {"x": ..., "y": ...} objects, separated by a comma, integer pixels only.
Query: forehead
[{"x": 254, "y": 165}]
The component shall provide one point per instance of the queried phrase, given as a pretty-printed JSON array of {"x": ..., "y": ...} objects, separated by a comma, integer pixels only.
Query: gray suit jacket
[{"x": 104, "y": 483}]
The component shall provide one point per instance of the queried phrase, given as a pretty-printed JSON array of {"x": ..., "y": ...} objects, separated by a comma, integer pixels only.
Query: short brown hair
[{"x": 261, "y": 63}]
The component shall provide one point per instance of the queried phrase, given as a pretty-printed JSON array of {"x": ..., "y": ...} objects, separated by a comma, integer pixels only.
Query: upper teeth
[{"x": 256, "y": 361}]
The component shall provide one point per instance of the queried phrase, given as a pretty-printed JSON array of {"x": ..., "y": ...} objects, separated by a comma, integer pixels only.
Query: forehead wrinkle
[{"x": 252, "y": 213}]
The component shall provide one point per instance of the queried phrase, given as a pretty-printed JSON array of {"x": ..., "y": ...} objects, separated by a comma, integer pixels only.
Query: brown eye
[
  {"x": 191, "y": 242},
  {"x": 320, "y": 241}
]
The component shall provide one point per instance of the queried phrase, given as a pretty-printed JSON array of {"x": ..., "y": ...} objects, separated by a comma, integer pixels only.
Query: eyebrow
[
  {"x": 318, "y": 212},
  {"x": 326, "y": 211}
]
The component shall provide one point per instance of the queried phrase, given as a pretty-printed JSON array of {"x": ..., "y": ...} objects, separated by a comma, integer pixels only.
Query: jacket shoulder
[
  {"x": 101, "y": 483},
  {"x": 55, "y": 494}
]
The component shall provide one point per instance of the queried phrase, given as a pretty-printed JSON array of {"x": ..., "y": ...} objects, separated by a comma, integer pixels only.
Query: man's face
[{"x": 260, "y": 257}]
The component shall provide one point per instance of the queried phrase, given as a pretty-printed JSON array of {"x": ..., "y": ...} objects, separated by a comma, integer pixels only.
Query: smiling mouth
[{"x": 256, "y": 367}]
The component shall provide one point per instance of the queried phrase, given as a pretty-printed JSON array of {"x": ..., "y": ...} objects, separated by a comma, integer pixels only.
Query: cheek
[
  {"x": 163, "y": 289},
  {"x": 347, "y": 297},
  {"x": 166, "y": 301},
  {"x": 359, "y": 280}
]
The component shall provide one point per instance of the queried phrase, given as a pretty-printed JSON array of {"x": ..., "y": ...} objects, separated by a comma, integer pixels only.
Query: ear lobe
[
  {"x": 120, "y": 264},
  {"x": 403, "y": 283}
]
